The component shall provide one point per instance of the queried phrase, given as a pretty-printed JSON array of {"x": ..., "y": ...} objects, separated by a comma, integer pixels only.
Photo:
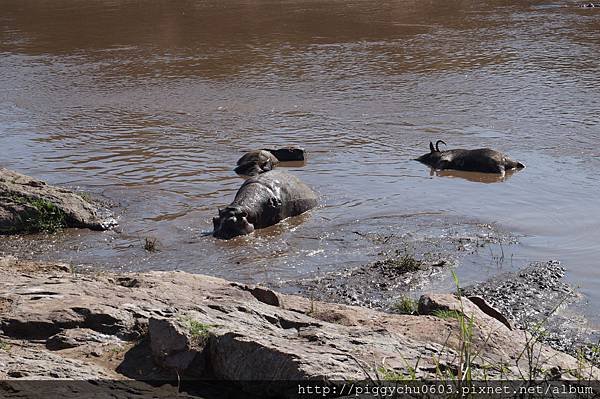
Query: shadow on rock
[{"x": 139, "y": 364}]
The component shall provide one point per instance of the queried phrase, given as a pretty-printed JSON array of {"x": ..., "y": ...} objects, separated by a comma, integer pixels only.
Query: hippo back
[{"x": 273, "y": 196}]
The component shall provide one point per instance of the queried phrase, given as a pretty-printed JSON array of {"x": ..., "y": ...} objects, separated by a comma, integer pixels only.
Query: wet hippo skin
[{"x": 263, "y": 201}]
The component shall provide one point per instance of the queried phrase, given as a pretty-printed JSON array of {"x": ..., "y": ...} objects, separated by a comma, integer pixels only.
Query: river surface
[{"x": 150, "y": 103}]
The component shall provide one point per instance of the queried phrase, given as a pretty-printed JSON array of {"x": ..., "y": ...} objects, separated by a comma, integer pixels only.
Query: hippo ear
[{"x": 431, "y": 147}]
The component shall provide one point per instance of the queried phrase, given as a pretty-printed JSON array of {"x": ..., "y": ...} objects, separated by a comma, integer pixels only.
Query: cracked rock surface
[{"x": 56, "y": 324}]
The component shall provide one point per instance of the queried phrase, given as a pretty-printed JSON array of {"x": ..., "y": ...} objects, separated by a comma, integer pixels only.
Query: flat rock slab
[
  {"x": 206, "y": 327},
  {"x": 31, "y": 205}
]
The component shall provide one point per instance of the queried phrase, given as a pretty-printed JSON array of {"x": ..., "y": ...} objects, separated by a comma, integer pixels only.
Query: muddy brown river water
[{"x": 149, "y": 104}]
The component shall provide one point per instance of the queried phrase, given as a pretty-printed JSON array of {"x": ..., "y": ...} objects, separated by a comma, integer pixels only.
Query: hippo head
[
  {"x": 232, "y": 222},
  {"x": 434, "y": 154}
]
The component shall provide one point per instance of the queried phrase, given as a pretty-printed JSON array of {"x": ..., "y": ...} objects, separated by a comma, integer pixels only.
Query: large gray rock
[
  {"x": 171, "y": 344},
  {"x": 35, "y": 363},
  {"x": 205, "y": 326},
  {"x": 31, "y": 205}
]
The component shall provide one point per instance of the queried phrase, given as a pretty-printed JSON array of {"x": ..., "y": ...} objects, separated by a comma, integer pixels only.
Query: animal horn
[
  {"x": 437, "y": 143},
  {"x": 431, "y": 148}
]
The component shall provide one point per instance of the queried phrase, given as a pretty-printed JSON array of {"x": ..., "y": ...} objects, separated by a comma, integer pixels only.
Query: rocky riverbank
[
  {"x": 167, "y": 325},
  {"x": 535, "y": 299},
  {"x": 29, "y": 205}
]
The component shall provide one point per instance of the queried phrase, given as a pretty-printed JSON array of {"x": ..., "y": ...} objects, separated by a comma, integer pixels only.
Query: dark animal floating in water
[
  {"x": 260, "y": 161},
  {"x": 483, "y": 160},
  {"x": 262, "y": 201},
  {"x": 590, "y": 5}
]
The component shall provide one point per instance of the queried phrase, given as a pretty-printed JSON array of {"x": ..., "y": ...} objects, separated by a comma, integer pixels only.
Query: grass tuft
[
  {"x": 199, "y": 332},
  {"x": 41, "y": 216},
  {"x": 150, "y": 244},
  {"x": 4, "y": 346},
  {"x": 460, "y": 367},
  {"x": 390, "y": 375},
  {"x": 446, "y": 314},
  {"x": 403, "y": 264},
  {"x": 406, "y": 305}
]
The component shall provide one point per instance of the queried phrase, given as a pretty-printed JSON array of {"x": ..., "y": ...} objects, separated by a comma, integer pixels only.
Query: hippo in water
[
  {"x": 256, "y": 162},
  {"x": 262, "y": 201},
  {"x": 483, "y": 160}
]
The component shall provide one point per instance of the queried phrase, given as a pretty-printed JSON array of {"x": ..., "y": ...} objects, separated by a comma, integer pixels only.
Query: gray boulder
[{"x": 28, "y": 205}]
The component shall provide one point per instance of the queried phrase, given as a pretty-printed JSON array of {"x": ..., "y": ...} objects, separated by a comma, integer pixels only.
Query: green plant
[
  {"x": 460, "y": 375},
  {"x": 405, "y": 305},
  {"x": 40, "y": 215},
  {"x": 460, "y": 368},
  {"x": 4, "y": 346},
  {"x": 402, "y": 264},
  {"x": 199, "y": 332},
  {"x": 466, "y": 339},
  {"x": 313, "y": 309},
  {"x": 446, "y": 314},
  {"x": 536, "y": 336},
  {"x": 591, "y": 360},
  {"x": 390, "y": 374},
  {"x": 408, "y": 263},
  {"x": 49, "y": 217},
  {"x": 150, "y": 244},
  {"x": 198, "y": 329}
]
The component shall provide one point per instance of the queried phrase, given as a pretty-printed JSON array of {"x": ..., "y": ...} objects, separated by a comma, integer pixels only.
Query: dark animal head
[
  {"x": 255, "y": 162},
  {"x": 232, "y": 222},
  {"x": 434, "y": 154},
  {"x": 509, "y": 164}
]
